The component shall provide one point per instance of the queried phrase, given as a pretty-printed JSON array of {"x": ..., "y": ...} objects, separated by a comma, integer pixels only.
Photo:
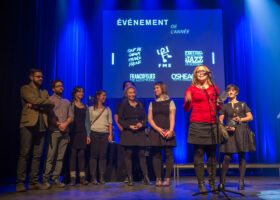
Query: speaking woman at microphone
[{"x": 202, "y": 131}]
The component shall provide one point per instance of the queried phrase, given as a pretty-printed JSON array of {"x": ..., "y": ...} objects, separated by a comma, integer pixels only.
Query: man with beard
[
  {"x": 58, "y": 134},
  {"x": 33, "y": 124}
]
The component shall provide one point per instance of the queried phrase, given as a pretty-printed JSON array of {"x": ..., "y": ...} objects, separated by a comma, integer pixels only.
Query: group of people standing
[
  {"x": 75, "y": 123},
  {"x": 66, "y": 123}
]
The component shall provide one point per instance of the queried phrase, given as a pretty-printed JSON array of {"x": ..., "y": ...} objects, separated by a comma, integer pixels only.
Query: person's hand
[
  {"x": 230, "y": 128},
  {"x": 62, "y": 126},
  {"x": 139, "y": 125},
  {"x": 110, "y": 138},
  {"x": 120, "y": 128},
  {"x": 88, "y": 140},
  {"x": 160, "y": 131},
  {"x": 219, "y": 102},
  {"x": 188, "y": 97},
  {"x": 237, "y": 119},
  {"x": 133, "y": 127},
  {"x": 169, "y": 134}
]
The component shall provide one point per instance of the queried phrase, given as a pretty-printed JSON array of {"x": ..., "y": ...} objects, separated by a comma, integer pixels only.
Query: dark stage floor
[{"x": 256, "y": 188}]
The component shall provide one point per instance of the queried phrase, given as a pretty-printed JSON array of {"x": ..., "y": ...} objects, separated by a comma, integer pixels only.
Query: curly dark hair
[
  {"x": 231, "y": 86},
  {"x": 53, "y": 82},
  {"x": 33, "y": 71}
]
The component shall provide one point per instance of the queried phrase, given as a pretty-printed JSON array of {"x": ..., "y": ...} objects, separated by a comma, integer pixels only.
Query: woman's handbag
[
  {"x": 223, "y": 134},
  {"x": 222, "y": 131},
  {"x": 252, "y": 137},
  {"x": 252, "y": 140}
]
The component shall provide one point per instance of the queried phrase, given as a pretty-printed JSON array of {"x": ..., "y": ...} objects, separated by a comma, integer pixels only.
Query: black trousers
[
  {"x": 80, "y": 153},
  {"x": 30, "y": 138},
  {"x": 128, "y": 150},
  {"x": 98, "y": 150},
  {"x": 157, "y": 160}
]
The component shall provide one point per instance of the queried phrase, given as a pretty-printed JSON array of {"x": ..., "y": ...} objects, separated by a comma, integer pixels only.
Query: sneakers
[
  {"x": 39, "y": 186},
  {"x": 20, "y": 188}
]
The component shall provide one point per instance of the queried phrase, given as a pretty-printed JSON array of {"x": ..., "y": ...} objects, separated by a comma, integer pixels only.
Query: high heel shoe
[
  {"x": 158, "y": 182},
  {"x": 146, "y": 180},
  {"x": 241, "y": 185},
  {"x": 166, "y": 182},
  {"x": 130, "y": 181}
]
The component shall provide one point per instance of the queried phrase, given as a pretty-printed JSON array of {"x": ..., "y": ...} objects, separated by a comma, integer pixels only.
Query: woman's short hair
[
  {"x": 195, "y": 80},
  {"x": 234, "y": 87},
  {"x": 163, "y": 87},
  {"x": 125, "y": 82},
  {"x": 129, "y": 86}
]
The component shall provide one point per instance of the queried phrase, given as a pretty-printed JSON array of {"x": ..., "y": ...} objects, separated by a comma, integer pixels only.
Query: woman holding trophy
[{"x": 237, "y": 114}]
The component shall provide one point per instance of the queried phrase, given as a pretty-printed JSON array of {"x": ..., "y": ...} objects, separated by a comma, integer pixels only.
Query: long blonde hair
[{"x": 195, "y": 80}]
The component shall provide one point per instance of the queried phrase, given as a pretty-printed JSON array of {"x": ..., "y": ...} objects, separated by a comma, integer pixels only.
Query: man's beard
[
  {"x": 59, "y": 93},
  {"x": 38, "y": 83}
]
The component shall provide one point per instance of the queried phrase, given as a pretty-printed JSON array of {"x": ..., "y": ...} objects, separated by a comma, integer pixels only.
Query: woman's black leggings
[
  {"x": 200, "y": 150},
  {"x": 81, "y": 159},
  {"x": 141, "y": 156},
  {"x": 157, "y": 160},
  {"x": 242, "y": 164}
]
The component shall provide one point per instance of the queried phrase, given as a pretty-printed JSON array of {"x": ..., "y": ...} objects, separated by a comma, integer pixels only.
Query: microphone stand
[{"x": 221, "y": 187}]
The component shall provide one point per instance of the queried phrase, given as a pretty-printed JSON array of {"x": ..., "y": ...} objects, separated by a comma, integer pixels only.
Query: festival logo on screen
[
  {"x": 142, "y": 77},
  {"x": 134, "y": 56},
  {"x": 182, "y": 77},
  {"x": 193, "y": 58},
  {"x": 165, "y": 55}
]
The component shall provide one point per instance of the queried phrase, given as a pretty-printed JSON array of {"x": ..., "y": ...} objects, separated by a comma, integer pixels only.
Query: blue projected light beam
[{"x": 160, "y": 46}]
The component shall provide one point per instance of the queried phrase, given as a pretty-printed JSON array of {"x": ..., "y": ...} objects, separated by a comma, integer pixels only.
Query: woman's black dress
[
  {"x": 161, "y": 111},
  {"x": 239, "y": 139},
  {"x": 129, "y": 115},
  {"x": 79, "y": 135}
]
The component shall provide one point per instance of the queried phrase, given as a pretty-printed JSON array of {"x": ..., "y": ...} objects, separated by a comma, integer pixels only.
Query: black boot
[
  {"x": 130, "y": 181},
  {"x": 83, "y": 180},
  {"x": 199, "y": 171},
  {"x": 211, "y": 169},
  {"x": 222, "y": 185},
  {"x": 72, "y": 181},
  {"x": 146, "y": 180},
  {"x": 241, "y": 185}
]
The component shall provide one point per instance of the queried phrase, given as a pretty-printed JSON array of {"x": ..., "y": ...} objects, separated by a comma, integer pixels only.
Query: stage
[{"x": 261, "y": 187}]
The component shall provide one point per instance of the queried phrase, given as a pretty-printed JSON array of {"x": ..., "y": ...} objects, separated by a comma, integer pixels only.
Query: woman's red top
[{"x": 202, "y": 111}]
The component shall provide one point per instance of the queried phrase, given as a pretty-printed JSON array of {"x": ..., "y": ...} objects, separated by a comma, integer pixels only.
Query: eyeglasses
[
  {"x": 201, "y": 72},
  {"x": 38, "y": 76},
  {"x": 57, "y": 86}
]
